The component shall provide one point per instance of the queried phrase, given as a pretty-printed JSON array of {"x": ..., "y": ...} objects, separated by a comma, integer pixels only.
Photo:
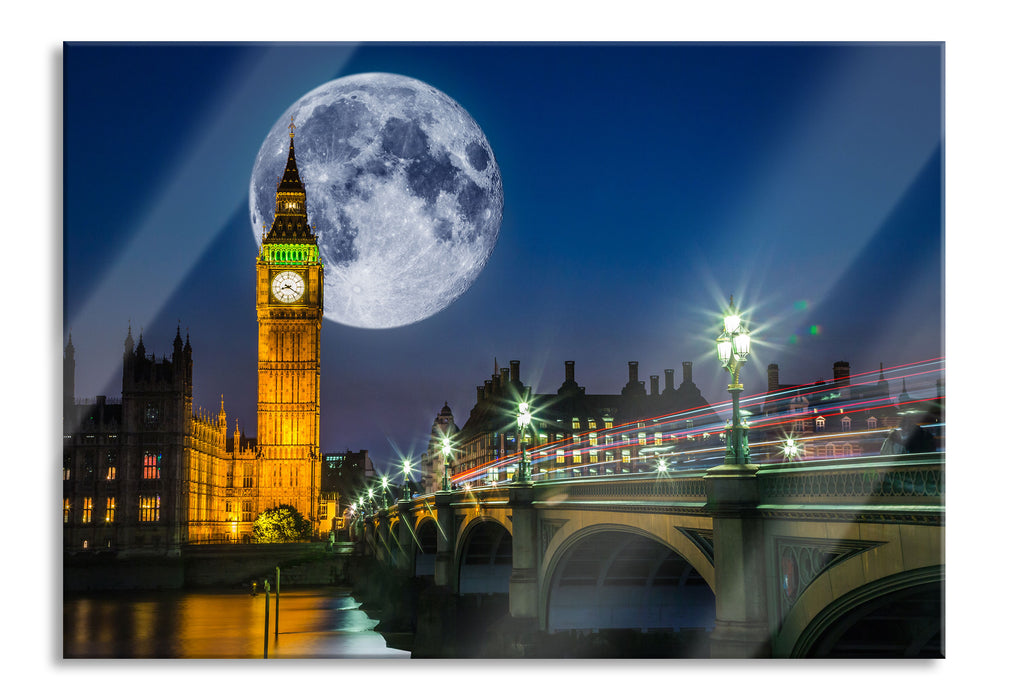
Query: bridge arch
[
  {"x": 620, "y": 577},
  {"x": 484, "y": 557},
  {"x": 894, "y": 616}
]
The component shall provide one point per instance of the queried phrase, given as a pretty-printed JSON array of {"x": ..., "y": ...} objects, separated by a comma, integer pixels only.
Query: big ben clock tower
[{"x": 289, "y": 290}]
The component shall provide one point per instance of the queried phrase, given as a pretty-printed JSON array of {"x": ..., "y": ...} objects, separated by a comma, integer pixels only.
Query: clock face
[{"x": 288, "y": 286}]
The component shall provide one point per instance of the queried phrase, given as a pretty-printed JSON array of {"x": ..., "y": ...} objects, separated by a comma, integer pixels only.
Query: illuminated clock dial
[{"x": 288, "y": 286}]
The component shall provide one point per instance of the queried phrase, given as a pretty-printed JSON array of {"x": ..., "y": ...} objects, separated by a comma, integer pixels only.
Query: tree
[{"x": 281, "y": 524}]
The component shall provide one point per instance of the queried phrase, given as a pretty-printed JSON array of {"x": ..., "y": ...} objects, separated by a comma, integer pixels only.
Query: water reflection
[{"x": 314, "y": 623}]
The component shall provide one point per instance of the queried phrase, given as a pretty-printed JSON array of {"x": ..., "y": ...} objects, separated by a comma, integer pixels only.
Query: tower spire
[{"x": 290, "y": 220}]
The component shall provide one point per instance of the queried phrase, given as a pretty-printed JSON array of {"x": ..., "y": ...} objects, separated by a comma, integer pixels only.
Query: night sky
[{"x": 643, "y": 184}]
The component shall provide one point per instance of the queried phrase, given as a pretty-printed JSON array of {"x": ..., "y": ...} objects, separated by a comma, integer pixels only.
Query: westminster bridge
[{"x": 829, "y": 558}]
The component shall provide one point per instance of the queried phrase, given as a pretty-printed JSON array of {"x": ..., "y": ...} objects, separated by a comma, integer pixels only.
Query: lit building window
[
  {"x": 150, "y": 509},
  {"x": 560, "y": 456},
  {"x": 658, "y": 438},
  {"x": 247, "y": 477},
  {"x": 607, "y": 423},
  {"x": 872, "y": 422},
  {"x": 576, "y": 439},
  {"x": 625, "y": 456},
  {"x": 86, "y": 512},
  {"x": 593, "y": 439},
  {"x": 246, "y": 511},
  {"x": 821, "y": 424},
  {"x": 110, "y": 509},
  {"x": 576, "y": 457},
  {"x": 846, "y": 423},
  {"x": 642, "y": 439},
  {"x": 593, "y": 456},
  {"x": 66, "y": 510},
  {"x": 576, "y": 424},
  {"x": 66, "y": 468},
  {"x": 152, "y": 466}
]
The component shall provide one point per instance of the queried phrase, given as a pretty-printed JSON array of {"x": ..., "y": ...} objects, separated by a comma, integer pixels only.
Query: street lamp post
[
  {"x": 385, "y": 491},
  {"x": 406, "y": 480},
  {"x": 446, "y": 451},
  {"x": 524, "y": 419},
  {"x": 733, "y": 347}
]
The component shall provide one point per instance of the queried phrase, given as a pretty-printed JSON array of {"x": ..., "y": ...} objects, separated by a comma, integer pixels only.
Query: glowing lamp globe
[
  {"x": 741, "y": 344},
  {"x": 731, "y": 323}
]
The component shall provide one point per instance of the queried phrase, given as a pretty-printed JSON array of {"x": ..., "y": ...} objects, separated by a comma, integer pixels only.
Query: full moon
[{"x": 402, "y": 188}]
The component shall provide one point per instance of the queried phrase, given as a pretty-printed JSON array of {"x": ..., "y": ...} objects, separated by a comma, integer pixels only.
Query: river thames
[{"x": 315, "y": 623}]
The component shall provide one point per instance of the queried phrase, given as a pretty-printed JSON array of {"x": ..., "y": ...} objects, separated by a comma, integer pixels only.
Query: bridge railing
[{"x": 905, "y": 480}]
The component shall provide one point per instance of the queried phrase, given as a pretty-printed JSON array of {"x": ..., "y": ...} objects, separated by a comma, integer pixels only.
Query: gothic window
[
  {"x": 67, "y": 461},
  {"x": 86, "y": 510},
  {"x": 110, "y": 465},
  {"x": 246, "y": 511},
  {"x": 66, "y": 511},
  {"x": 110, "y": 509},
  {"x": 150, "y": 508},
  {"x": 247, "y": 477},
  {"x": 152, "y": 466}
]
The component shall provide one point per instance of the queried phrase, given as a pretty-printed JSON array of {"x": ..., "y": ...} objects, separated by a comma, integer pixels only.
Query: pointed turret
[
  {"x": 128, "y": 345},
  {"x": 882, "y": 386},
  {"x": 177, "y": 345},
  {"x": 904, "y": 396}
]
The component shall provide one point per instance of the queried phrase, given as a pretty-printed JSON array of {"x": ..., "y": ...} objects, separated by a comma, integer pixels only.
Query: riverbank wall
[{"x": 199, "y": 566}]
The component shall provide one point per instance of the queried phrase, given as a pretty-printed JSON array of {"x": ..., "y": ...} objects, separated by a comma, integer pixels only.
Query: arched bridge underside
[{"x": 844, "y": 559}]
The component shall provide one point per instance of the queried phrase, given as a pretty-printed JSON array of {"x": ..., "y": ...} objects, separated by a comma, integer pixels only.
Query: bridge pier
[
  {"x": 523, "y": 585},
  {"x": 741, "y": 628},
  {"x": 443, "y": 562}
]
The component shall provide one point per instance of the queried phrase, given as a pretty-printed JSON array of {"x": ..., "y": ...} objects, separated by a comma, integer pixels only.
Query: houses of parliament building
[{"x": 153, "y": 472}]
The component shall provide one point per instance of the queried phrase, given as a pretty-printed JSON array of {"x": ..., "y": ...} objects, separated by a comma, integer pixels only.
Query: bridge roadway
[{"x": 833, "y": 558}]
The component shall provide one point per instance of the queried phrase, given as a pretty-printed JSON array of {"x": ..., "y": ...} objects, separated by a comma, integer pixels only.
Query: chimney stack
[
  {"x": 569, "y": 370},
  {"x": 670, "y": 381},
  {"x": 772, "y": 378},
  {"x": 655, "y": 384},
  {"x": 515, "y": 371},
  {"x": 841, "y": 373},
  {"x": 688, "y": 375},
  {"x": 632, "y": 372}
]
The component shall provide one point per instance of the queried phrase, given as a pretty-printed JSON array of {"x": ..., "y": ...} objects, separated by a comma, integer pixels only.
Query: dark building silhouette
[{"x": 571, "y": 414}]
